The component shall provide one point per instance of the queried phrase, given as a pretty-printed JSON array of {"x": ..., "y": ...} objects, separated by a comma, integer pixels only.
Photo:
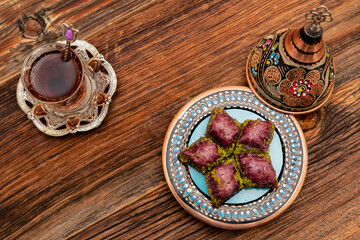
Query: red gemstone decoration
[
  {"x": 310, "y": 85},
  {"x": 301, "y": 81},
  {"x": 303, "y": 94},
  {"x": 306, "y": 82},
  {"x": 298, "y": 95},
  {"x": 308, "y": 90},
  {"x": 295, "y": 84}
]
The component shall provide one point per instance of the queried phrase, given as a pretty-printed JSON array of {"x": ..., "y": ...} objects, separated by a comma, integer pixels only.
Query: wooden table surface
[{"x": 108, "y": 183}]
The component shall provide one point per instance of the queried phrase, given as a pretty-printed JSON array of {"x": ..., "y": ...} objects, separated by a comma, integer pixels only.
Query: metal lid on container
[{"x": 293, "y": 70}]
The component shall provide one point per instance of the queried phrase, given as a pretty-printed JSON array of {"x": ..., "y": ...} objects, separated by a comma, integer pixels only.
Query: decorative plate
[{"x": 249, "y": 207}]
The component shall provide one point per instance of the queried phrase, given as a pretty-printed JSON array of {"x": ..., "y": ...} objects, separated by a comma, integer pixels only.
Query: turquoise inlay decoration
[
  {"x": 295, "y": 162},
  {"x": 295, "y": 151},
  {"x": 262, "y": 209},
  {"x": 221, "y": 214}
]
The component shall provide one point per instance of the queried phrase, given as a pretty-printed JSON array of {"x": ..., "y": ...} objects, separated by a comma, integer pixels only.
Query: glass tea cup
[{"x": 56, "y": 84}]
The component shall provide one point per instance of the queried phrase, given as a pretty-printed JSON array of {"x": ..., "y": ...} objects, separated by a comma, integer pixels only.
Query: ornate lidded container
[{"x": 293, "y": 70}]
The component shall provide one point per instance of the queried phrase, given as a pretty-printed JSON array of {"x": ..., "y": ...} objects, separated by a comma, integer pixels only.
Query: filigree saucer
[{"x": 102, "y": 86}]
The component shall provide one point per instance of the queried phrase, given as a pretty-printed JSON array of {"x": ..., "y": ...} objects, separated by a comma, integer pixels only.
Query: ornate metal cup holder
[{"x": 101, "y": 87}]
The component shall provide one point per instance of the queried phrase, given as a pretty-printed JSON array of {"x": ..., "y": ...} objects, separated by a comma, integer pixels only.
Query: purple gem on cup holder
[{"x": 69, "y": 34}]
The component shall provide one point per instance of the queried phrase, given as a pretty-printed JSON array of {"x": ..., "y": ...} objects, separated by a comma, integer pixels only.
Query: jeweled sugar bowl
[{"x": 293, "y": 70}]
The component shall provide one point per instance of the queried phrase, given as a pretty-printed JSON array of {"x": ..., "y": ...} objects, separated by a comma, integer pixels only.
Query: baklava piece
[
  {"x": 256, "y": 170},
  {"x": 223, "y": 182},
  {"x": 223, "y": 129},
  {"x": 203, "y": 155},
  {"x": 256, "y": 135}
]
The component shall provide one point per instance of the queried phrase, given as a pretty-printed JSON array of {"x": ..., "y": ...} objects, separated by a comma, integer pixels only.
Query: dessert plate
[{"x": 249, "y": 207}]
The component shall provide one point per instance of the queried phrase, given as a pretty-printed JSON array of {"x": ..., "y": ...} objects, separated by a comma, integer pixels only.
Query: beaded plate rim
[{"x": 232, "y": 216}]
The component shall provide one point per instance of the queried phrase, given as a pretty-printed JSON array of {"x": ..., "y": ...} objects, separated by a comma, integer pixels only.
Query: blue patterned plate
[{"x": 249, "y": 207}]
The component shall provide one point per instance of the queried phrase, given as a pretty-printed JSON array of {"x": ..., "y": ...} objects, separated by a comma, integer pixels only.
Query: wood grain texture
[{"x": 108, "y": 183}]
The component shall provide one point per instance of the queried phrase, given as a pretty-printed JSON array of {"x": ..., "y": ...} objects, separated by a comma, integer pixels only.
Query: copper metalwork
[{"x": 293, "y": 70}]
